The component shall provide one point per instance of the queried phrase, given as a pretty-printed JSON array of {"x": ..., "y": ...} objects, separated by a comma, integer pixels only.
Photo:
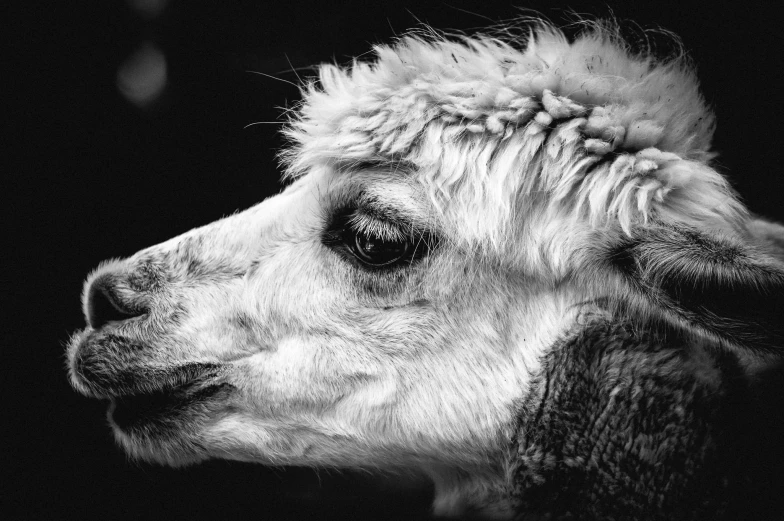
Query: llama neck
[{"x": 612, "y": 407}]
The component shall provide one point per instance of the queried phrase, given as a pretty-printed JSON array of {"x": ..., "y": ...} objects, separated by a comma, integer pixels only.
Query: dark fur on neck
[{"x": 625, "y": 425}]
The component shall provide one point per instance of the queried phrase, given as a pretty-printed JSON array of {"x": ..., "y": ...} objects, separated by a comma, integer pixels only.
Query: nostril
[{"x": 103, "y": 306}]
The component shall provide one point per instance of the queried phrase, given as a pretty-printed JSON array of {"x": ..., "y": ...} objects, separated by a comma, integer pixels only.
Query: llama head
[{"x": 456, "y": 207}]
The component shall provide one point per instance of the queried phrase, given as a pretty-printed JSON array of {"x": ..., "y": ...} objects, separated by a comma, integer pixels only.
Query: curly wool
[{"x": 607, "y": 135}]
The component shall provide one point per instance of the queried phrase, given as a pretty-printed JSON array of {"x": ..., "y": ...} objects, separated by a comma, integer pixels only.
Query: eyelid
[{"x": 375, "y": 227}]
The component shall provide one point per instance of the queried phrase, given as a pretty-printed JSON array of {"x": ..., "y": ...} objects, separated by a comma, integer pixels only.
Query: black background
[{"x": 90, "y": 176}]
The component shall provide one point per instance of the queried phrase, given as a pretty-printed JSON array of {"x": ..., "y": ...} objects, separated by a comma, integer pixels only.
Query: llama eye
[
  {"x": 375, "y": 243},
  {"x": 376, "y": 251}
]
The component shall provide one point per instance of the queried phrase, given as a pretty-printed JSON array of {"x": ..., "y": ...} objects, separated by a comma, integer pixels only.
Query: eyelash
[{"x": 352, "y": 233}]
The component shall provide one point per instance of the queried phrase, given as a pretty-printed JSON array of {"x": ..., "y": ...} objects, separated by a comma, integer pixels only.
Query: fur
[
  {"x": 606, "y": 134},
  {"x": 623, "y": 425}
]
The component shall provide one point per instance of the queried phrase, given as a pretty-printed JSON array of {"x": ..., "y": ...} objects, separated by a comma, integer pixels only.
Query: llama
[{"x": 507, "y": 265}]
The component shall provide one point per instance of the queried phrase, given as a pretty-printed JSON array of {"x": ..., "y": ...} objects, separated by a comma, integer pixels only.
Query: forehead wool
[{"x": 599, "y": 132}]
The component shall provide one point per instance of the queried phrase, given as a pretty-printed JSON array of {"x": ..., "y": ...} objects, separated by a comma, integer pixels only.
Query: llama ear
[{"x": 728, "y": 288}]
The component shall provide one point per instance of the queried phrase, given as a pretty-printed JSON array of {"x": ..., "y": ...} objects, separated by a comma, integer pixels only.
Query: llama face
[{"x": 273, "y": 336}]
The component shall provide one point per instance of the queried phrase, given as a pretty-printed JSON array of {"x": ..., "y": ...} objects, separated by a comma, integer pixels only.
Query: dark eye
[{"x": 376, "y": 251}]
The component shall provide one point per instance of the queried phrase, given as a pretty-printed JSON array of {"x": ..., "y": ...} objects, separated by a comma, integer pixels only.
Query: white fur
[{"x": 472, "y": 117}]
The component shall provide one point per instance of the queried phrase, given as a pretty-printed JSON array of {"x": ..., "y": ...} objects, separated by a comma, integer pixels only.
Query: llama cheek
[{"x": 290, "y": 376}]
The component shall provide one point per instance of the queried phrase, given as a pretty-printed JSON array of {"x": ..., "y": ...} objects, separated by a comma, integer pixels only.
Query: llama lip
[
  {"x": 141, "y": 380},
  {"x": 110, "y": 366}
]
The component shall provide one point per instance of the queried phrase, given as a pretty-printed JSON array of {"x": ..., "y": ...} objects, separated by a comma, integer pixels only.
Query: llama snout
[{"x": 124, "y": 315}]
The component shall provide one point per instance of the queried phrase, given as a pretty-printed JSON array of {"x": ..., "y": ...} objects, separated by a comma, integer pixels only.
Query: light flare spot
[{"x": 142, "y": 78}]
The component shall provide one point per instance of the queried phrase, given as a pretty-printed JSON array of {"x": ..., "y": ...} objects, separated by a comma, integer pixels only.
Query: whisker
[
  {"x": 263, "y": 123},
  {"x": 274, "y": 77},
  {"x": 292, "y": 68}
]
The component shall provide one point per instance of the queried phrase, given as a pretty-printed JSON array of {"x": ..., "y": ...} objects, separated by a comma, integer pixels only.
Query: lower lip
[{"x": 160, "y": 409}]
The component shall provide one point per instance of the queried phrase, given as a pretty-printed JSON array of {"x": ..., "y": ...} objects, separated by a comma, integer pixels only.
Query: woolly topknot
[{"x": 609, "y": 135}]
